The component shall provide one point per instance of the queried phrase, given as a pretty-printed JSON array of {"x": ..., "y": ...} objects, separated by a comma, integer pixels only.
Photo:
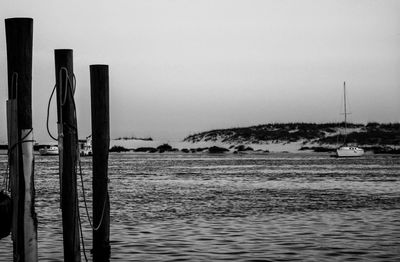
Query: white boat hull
[
  {"x": 349, "y": 151},
  {"x": 52, "y": 151}
]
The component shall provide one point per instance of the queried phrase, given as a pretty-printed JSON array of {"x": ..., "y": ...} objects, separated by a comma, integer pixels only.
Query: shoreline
[{"x": 300, "y": 147}]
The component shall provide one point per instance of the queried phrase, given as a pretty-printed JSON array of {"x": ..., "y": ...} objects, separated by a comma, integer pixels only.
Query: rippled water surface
[{"x": 272, "y": 207}]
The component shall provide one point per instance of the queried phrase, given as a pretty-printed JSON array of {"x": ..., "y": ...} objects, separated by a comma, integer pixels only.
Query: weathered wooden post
[
  {"x": 68, "y": 152},
  {"x": 99, "y": 89},
  {"x": 19, "y": 38}
]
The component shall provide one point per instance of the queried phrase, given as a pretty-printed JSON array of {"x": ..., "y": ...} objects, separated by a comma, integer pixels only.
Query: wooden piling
[
  {"x": 99, "y": 88},
  {"x": 68, "y": 153},
  {"x": 19, "y": 38}
]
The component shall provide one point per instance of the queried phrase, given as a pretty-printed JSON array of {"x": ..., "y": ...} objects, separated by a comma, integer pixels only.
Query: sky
[{"x": 178, "y": 67}]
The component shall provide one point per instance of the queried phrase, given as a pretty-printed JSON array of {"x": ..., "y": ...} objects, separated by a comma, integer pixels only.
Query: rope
[
  {"x": 6, "y": 180},
  {"x": 62, "y": 100},
  {"x": 48, "y": 113},
  {"x": 73, "y": 84},
  {"x": 22, "y": 141},
  {"x": 86, "y": 208},
  {"x": 82, "y": 239},
  {"x": 80, "y": 220},
  {"x": 66, "y": 85}
]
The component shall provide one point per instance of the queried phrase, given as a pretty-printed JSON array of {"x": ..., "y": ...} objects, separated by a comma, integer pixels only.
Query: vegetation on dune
[
  {"x": 134, "y": 138},
  {"x": 146, "y": 149},
  {"x": 118, "y": 149},
  {"x": 166, "y": 148},
  {"x": 270, "y": 132},
  {"x": 372, "y": 134},
  {"x": 160, "y": 149},
  {"x": 217, "y": 150},
  {"x": 241, "y": 148},
  {"x": 319, "y": 149},
  {"x": 382, "y": 150},
  {"x": 327, "y": 133}
]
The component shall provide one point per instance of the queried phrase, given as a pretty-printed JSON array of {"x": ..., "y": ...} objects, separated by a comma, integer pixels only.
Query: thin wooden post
[
  {"x": 19, "y": 38},
  {"x": 99, "y": 89},
  {"x": 68, "y": 153}
]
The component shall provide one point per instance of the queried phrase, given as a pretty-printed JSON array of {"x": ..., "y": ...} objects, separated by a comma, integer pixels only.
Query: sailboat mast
[{"x": 345, "y": 111}]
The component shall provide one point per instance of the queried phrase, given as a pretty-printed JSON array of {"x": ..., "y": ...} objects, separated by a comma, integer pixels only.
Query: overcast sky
[{"x": 182, "y": 66}]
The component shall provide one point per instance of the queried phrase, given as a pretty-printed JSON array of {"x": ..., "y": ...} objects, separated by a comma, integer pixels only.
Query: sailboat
[{"x": 346, "y": 150}]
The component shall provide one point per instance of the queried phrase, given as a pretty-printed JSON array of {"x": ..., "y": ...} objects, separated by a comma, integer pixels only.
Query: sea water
[{"x": 201, "y": 207}]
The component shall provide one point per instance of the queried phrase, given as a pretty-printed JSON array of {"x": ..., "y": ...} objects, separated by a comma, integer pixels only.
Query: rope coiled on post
[{"x": 62, "y": 99}]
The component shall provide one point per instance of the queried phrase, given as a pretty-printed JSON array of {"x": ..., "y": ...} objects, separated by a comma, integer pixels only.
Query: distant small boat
[
  {"x": 47, "y": 151},
  {"x": 346, "y": 150}
]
